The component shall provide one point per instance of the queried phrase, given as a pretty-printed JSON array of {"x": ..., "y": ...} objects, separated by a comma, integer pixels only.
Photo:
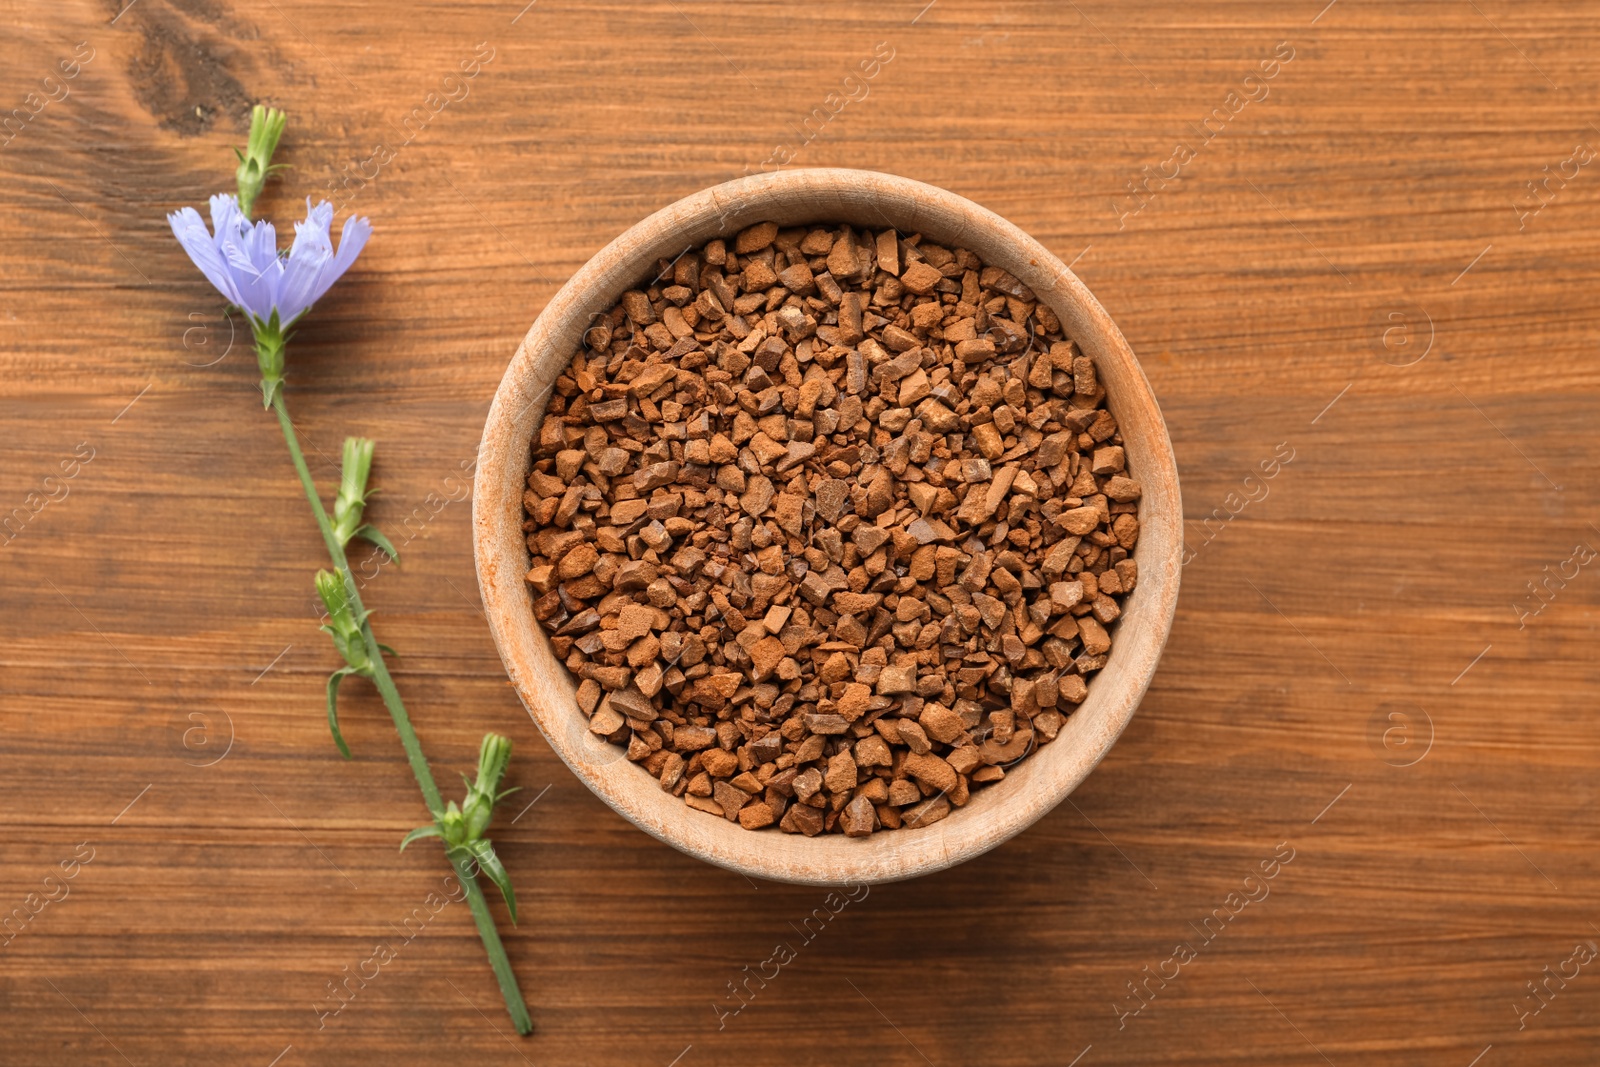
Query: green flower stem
[
  {"x": 408, "y": 737},
  {"x": 467, "y": 875}
]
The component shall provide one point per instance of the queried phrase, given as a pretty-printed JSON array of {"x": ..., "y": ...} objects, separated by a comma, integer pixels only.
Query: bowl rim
[{"x": 791, "y": 197}]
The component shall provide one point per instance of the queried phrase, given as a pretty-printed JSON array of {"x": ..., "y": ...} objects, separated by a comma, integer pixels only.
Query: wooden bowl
[{"x": 876, "y": 201}]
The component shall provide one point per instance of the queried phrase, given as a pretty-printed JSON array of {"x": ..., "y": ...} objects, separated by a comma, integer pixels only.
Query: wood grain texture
[{"x": 166, "y": 589}]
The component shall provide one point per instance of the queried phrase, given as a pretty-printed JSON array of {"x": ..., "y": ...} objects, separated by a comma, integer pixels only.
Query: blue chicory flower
[
  {"x": 242, "y": 259},
  {"x": 274, "y": 289}
]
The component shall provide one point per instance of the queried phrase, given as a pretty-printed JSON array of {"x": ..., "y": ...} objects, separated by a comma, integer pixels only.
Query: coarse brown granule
[{"x": 831, "y": 526}]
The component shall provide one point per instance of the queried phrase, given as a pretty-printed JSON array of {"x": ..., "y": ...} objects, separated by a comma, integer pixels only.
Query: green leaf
[
  {"x": 489, "y": 864},
  {"x": 369, "y": 532},
  {"x": 430, "y": 830},
  {"x": 333, "y": 707},
  {"x": 389, "y": 651}
]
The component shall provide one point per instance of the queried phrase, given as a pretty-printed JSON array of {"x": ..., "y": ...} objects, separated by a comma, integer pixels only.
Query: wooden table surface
[{"x": 1342, "y": 262}]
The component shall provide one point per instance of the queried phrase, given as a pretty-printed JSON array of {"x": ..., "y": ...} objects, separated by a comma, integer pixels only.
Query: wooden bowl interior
[{"x": 874, "y": 201}]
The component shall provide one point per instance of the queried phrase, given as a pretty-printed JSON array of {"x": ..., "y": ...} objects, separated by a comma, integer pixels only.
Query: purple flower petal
[
  {"x": 256, "y": 288},
  {"x": 242, "y": 259},
  {"x": 352, "y": 239},
  {"x": 302, "y": 283},
  {"x": 190, "y": 230},
  {"x": 260, "y": 243},
  {"x": 226, "y": 219},
  {"x": 315, "y": 231}
]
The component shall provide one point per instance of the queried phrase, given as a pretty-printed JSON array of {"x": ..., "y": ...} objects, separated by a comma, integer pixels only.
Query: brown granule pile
[{"x": 830, "y": 525}]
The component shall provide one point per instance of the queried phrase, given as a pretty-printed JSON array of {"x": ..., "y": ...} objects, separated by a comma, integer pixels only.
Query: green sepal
[
  {"x": 271, "y": 169},
  {"x": 369, "y": 532},
  {"x": 352, "y": 649},
  {"x": 270, "y": 390},
  {"x": 430, "y": 830},
  {"x": 333, "y": 707},
  {"x": 270, "y": 344}
]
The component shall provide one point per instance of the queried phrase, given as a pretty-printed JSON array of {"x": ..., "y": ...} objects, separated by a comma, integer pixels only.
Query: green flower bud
[
  {"x": 255, "y": 162},
  {"x": 462, "y": 829},
  {"x": 494, "y": 756},
  {"x": 351, "y": 502},
  {"x": 343, "y": 626}
]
